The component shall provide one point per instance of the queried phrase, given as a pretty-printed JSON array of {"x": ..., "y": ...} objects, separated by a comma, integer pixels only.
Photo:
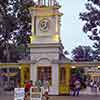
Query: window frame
[{"x": 50, "y": 73}]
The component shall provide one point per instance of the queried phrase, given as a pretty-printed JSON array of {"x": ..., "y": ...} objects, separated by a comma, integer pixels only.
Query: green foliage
[
  {"x": 82, "y": 53},
  {"x": 15, "y": 26},
  {"x": 78, "y": 73},
  {"x": 91, "y": 18}
]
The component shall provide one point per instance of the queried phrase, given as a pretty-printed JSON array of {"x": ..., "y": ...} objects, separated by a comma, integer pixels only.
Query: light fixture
[
  {"x": 73, "y": 67},
  {"x": 98, "y": 67}
]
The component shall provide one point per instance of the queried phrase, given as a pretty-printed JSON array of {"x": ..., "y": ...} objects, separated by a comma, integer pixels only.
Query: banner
[{"x": 19, "y": 94}]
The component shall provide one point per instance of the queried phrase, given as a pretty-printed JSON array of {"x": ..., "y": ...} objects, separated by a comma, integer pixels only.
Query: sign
[
  {"x": 35, "y": 93},
  {"x": 19, "y": 94},
  {"x": 9, "y": 74}
]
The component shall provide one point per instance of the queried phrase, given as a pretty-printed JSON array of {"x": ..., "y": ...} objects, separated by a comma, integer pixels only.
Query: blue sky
[{"x": 71, "y": 29}]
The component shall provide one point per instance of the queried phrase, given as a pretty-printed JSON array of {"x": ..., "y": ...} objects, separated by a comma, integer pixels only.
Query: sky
[{"x": 71, "y": 29}]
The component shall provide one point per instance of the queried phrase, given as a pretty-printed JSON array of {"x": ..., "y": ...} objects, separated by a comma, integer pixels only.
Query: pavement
[
  {"x": 81, "y": 97},
  {"x": 88, "y": 91},
  {"x": 84, "y": 95},
  {"x": 60, "y": 98}
]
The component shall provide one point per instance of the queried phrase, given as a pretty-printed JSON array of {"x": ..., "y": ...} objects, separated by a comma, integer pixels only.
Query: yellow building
[
  {"x": 64, "y": 73},
  {"x": 46, "y": 50}
]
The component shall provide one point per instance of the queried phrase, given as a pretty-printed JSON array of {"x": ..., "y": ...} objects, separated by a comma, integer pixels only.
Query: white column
[
  {"x": 45, "y": 2},
  {"x": 33, "y": 26},
  {"x": 54, "y": 89},
  {"x": 39, "y": 2},
  {"x": 48, "y": 3},
  {"x": 51, "y": 2},
  {"x": 33, "y": 72},
  {"x": 57, "y": 24}
]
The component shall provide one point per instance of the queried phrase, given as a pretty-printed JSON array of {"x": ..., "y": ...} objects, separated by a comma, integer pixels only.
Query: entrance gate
[
  {"x": 65, "y": 73},
  {"x": 9, "y": 78},
  {"x": 13, "y": 75},
  {"x": 91, "y": 69}
]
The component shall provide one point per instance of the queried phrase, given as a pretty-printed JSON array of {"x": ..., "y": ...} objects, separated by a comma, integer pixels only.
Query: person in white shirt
[
  {"x": 46, "y": 88},
  {"x": 77, "y": 87}
]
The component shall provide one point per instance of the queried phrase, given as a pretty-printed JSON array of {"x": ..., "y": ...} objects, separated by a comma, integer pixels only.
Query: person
[
  {"x": 99, "y": 86},
  {"x": 46, "y": 89},
  {"x": 91, "y": 85},
  {"x": 95, "y": 87},
  {"x": 72, "y": 87},
  {"x": 39, "y": 84},
  {"x": 77, "y": 87},
  {"x": 28, "y": 85}
]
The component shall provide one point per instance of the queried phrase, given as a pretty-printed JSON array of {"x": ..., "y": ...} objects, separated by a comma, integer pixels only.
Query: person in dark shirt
[{"x": 28, "y": 85}]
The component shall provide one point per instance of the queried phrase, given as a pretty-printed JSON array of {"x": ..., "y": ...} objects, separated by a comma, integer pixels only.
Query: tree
[
  {"x": 82, "y": 53},
  {"x": 91, "y": 19},
  {"x": 15, "y": 25}
]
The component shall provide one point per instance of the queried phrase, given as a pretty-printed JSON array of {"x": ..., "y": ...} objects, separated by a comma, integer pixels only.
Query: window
[
  {"x": 44, "y": 73},
  {"x": 62, "y": 75}
]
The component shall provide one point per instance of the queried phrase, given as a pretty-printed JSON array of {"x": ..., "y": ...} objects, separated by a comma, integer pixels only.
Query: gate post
[
  {"x": 22, "y": 75},
  {"x": 68, "y": 76}
]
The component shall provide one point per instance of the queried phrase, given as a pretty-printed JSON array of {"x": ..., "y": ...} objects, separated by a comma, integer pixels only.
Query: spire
[{"x": 47, "y": 3}]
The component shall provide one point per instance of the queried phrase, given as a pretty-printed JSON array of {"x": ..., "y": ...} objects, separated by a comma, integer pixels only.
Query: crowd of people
[
  {"x": 76, "y": 86},
  {"x": 40, "y": 85},
  {"x": 94, "y": 85}
]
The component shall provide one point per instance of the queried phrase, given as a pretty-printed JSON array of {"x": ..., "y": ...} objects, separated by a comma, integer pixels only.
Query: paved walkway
[
  {"x": 84, "y": 95},
  {"x": 81, "y": 97},
  {"x": 87, "y": 91}
]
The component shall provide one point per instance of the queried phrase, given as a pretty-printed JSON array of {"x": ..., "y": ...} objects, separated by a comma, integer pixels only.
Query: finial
[{"x": 46, "y": 3}]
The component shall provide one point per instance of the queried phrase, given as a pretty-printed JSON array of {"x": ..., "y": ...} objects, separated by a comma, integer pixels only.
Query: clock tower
[
  {"x": 45, "y": 21},
  {"x": 46, "y": 46}
]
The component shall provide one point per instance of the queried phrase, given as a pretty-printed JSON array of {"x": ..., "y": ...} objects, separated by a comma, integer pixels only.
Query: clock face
[{"x": 44, "y": 25}]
